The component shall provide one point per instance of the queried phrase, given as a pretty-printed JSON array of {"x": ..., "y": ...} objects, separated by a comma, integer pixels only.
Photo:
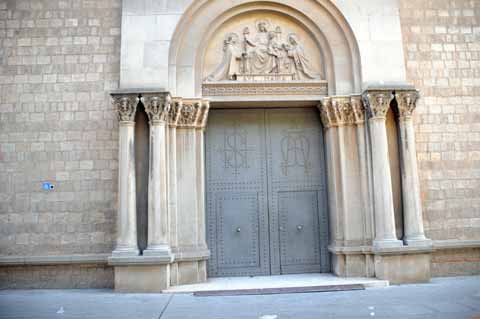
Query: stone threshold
[{"x": 274, "y": 282}]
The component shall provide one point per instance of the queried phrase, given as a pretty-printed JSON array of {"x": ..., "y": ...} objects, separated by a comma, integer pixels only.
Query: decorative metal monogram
[
  {"x": 235, "y": 148},
  {"x": 295, "y": 148}
]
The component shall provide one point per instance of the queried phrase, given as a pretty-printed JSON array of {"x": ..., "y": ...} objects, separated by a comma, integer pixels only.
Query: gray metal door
[{"x": 265, "y": 192}]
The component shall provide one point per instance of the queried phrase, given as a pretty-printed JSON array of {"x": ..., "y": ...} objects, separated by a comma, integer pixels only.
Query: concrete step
[{"x": 271, "y": 284}]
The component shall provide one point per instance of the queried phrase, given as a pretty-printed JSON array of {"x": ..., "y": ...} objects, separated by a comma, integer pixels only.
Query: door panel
[
  {"x": 299, "y": 232},
  {"x": 237, "y": 193},
  {"x": 266, "y": 210},
  {"x": 295, "y": 172}
]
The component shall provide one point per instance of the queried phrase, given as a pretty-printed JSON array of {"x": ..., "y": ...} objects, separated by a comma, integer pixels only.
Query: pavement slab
[{"x": 442, "y": 298}]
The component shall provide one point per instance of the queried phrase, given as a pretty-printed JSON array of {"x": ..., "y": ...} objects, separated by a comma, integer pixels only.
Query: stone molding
[
  {"x": 407, "y": 102},
  {"x": 157, "y": 106},
  {"x": 297, "y": 88},
  {"x": 342, "y": 111},
  {"x": 126, "y": 106},
  {"x": 53, "y": 260},
  {"x": 377, "y": 103}
]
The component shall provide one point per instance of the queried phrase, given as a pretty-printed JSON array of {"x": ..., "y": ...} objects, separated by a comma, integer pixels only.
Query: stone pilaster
[
  {"x": 191, "y": 251},
  {"x": 157, "y": 107},
  {"x": 200, "y": 138},
  {"x": 377, "y": 104},
  {"x": 126, "y": 245},
  {"x": 412, "y": 205},
  {"x": 173, "y": 119}
]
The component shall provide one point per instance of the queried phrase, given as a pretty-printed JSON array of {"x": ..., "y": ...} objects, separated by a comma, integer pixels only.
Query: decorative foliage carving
[
  {"x": 175, "y": 111},
  {"x": 193, "y": 113},
  {"x": 342, "y": 110},
  {"x": 407, "y": 102},
  {"x": 126, "y": 106},
  {"x": 377, "y": 103},
  {"x": 157, "y": 106},
  {"x": 264, "y": 56}
]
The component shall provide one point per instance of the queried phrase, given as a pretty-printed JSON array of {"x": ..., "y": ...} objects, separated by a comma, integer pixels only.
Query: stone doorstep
[{"x": 272, "y": 282}]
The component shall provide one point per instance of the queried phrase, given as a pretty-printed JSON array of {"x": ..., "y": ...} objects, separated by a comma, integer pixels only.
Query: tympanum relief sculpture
[{"x": 264, "y": 53}]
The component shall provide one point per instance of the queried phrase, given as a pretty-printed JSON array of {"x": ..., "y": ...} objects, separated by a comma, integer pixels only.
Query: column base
[
  {"x": 418, "y": 242},
  {"x": 159, "y": 251},
  {"x": 387, "y": 243},
  {"x": 125, "y": 252}
]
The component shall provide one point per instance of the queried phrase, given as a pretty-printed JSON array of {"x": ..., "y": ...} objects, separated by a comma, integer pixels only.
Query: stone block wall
[
  {"x": 58, "y": 61},
  {"x": 442, "y": 52},
  {"x": 56, "y": 277}
]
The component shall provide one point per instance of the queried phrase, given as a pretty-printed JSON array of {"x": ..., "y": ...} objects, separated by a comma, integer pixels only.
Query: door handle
[
  {"x": 299, "y": 227},
  {"x": 238, "y": 229}
]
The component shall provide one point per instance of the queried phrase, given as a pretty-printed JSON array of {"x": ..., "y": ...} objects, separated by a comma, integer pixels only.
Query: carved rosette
[
  {"x": 157, "y": 106},
  {"x": 407, "y": 102},
  {"x": 126, "y": 106},
  {"x": 377, "y": 103},
  {"x": 341, "y": 111}
]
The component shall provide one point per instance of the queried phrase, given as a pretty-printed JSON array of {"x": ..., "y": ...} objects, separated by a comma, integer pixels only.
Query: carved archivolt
[
  {"x": 126, "y": 106},
  {"x": 342, "y": 110},
  {"x": 407, "y": 102}
]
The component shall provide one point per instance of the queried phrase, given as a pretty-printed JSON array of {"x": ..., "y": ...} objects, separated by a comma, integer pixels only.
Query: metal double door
[{"x": 266, "y": 198}]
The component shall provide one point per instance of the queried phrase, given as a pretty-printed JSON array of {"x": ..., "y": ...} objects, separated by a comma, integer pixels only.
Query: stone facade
[
  {"x": 58, "y": 62},
  {"x": 442, "y": 54},
  {"x": 61, "y": 59}
]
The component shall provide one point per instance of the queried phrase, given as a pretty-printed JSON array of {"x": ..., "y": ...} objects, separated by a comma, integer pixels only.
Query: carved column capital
[
  {"x": 157, "y": 106},
  {"x": 189, "y": 113},
  {"x": 341, "y": 110},
  {"x": 202, "y": 120},
  {"x": 358, "y": 109},
  {"x": 126, "y": 106},
  {"x": 175, "y": 112},
  {"x": 193, "y": 113},
  {"x": 377, "y": 103},
  {"x": 407, "y": 102}
]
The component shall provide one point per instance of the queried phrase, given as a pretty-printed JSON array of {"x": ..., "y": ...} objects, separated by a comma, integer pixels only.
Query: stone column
[
  {"x": 412, "y": 205},
  {"x": 358, "y": 110},
  {"x": 378, "y": 103},
  {"x": 127, "y": 244},
  {"x": 157, "y": 108}
]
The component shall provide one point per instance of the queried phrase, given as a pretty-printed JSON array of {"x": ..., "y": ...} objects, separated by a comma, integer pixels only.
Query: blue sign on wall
[{"x": 47, "y": 186}]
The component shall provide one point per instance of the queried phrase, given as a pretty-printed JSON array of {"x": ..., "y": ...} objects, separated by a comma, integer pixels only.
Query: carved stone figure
[
  {"x": 229, "y": 67},
  {"x": 300, "y": 61},
  {"x": 264, "y": 56}
]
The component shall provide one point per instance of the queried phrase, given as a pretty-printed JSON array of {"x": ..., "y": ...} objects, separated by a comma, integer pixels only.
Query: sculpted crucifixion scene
[{"x": 266, "y": 54}]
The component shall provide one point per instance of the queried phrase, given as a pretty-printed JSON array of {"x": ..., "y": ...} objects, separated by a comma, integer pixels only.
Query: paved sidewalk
[{"x": 442, "y": 298}]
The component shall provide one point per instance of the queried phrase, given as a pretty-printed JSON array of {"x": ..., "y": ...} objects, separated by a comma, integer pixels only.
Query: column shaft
[
  {"x": 378, "y": 104},
  {"x": 412, "y": 205},
  {"x": 157, "y": 192},
  {"x": 385, "y": 234},
  {"x": 127, "y": 214}
]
